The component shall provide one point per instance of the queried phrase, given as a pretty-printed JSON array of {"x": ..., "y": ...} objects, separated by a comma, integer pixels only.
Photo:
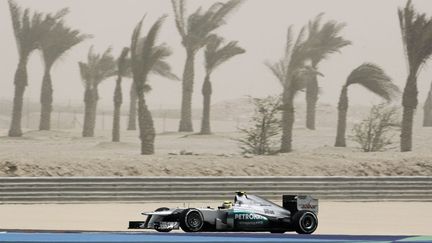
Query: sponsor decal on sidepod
[{"x": 249, "y": 216}]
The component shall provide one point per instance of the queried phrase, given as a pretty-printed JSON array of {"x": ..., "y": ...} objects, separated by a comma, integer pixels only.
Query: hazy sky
[{"x": 259, "y": 26}]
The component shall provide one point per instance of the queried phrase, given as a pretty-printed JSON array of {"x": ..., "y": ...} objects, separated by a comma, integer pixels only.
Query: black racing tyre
[
  {"x": 305, "y": 222},
  {"x": 191, "y": 220},
  {"x": 162, "y": 230},
  {"x": 157, "y": 228}
]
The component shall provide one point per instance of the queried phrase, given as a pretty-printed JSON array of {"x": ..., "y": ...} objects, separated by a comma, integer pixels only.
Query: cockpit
[{"x": 241, "y": 198}]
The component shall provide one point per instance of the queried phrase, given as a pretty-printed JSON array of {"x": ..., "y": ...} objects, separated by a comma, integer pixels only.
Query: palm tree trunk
[
  {"x": 46, "y": 100},
  {"x": 87, "y": 112},
  {"x": 427, "y": 108},
  {"x": 90, "y": 102},
  {"x": 206, "y": 92},
  {"x": 146, "y": 127},
  {"x": 288, "y": 117},
  {"x": 342, "y": 118},
  {"x": 312, "y": 89},
  {"x": 409, "y": 103},
  {"x": 94, "y": 111},
  {"x": 188, "y": 80},
  {"x": 118, "y": 99},
  {"x": 132, "y": 109},
  {"x": 20, "y": 85}
]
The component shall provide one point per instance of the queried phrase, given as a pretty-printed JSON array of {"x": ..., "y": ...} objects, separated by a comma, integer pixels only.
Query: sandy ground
[
  {"x": 368, "y": 218},
  {"x": 65, "y": 153}
]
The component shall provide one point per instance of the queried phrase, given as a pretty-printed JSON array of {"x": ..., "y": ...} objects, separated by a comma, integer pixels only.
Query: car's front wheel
[
  {"x": 191, "y": 220},
  {"x": 305, "y": 222}
]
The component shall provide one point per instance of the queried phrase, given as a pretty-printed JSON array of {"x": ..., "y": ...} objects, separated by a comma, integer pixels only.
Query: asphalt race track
[{"x": 111, "y": 237}]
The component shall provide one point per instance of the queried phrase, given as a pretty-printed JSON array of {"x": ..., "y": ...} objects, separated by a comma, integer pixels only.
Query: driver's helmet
[{"x": 227, "y": 204}]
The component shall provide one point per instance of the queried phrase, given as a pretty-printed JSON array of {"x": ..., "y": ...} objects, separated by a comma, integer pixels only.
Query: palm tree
[
  {"x": 215, "y": 55},
  {"x": 122, "y": 68},
  {"x": 54, "y": 44},
  {"x": 291, "y": 72},
  {"x": 98, "y": 68},
  {"x": 417, "y": 40},
  {"x": 427, "y": 108},
  {"x": 373, "y": 78},
  {"x": 195, "y": 31},
  {"x": 147, "y": 57},
  {"x": 323, "y": 40},
  {"x": 29, "y": 28}
]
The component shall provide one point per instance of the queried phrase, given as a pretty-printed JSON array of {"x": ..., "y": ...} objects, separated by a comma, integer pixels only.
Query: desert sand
[
  {"x": 65, "y": 153},
  {"x": 366, "y": 218}
]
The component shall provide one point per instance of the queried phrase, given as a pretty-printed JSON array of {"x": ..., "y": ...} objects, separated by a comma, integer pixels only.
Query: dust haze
[{"x": 259, "y": 26}]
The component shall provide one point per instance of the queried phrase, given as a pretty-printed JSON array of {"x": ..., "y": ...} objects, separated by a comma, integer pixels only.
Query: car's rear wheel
[
  {"x": 192, "y": 220},
  {"x": 159, "y": 229},
  {"x": 305, "y": 222}
]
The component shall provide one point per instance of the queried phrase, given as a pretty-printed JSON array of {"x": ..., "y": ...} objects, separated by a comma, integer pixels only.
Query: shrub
[
  {"x": 375, "y": 133},
  {"x": 261, "y": 136}
]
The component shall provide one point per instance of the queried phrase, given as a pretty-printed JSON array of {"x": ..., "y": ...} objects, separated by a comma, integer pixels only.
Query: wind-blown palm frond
[
  {"x": 373, "y": 78},
  {"x": 324, "y": 40},
  {"x": 300, "y": 51},
  {"x": 148, "y": 51},
  {"x": 29, "y": 28},
  {"x": 163, "y": 69},
  {"x": 289, "y": 42},
  {"x": 147, "y": 56},
  {"x": 195, "y": 30},
  {"x": 136, "y": 38},
  {"x": 59, "y": 14},
  {"x": 159, "y": 53},
  {"x": 41, "y": 25},
  {"x": 279, "y": 71},
  {"x": 315, "y": 24},
  {"x": 416, "y": 35},
  {"x": 289, "y": 70},
  {"x": 58, "y": 40},
  {"x": 105, "y": 66},
  {"x": 16, "y": 13},
  {"x": 98, "y": 67},
  {"x": 223, "y": 10},
  {"x": 215, "y": 54},
  {"x": 179, "y": 7}
]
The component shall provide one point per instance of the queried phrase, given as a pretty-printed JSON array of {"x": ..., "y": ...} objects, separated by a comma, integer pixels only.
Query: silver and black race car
[{"x": 247, "y": 213}]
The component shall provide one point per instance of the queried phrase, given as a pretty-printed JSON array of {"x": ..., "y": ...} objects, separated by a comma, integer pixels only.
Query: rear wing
[{"x": 295, "y": 203}]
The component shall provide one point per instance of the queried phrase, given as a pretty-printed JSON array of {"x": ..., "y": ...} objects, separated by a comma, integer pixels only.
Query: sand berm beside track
[{"x": 65, "y": 153}]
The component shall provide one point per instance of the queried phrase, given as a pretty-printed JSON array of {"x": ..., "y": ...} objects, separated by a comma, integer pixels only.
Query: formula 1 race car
[{"x": 247, "y": 213}]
